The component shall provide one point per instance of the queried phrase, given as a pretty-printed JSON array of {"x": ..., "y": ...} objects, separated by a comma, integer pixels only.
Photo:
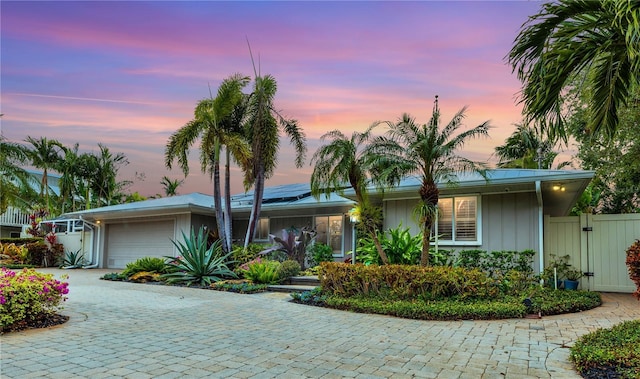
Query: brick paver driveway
[{"x": 124, "y": 330}]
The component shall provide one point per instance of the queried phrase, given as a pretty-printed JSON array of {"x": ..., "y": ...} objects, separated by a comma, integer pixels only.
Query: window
[
  {"x": 458, "y": 219},
  {"x": 262, "y": 230},
  {"x": 329, "y": 229}
]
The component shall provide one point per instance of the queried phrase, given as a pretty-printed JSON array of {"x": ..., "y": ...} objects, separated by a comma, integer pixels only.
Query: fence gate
[{"x": 597, "y": 245}]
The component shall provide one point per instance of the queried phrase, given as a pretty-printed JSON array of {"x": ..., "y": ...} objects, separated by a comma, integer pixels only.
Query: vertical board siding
[
  {"x": 510, "y": 222},
  {"x": 611, "y": 237}
]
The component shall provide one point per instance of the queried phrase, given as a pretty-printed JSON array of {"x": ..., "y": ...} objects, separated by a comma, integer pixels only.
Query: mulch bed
[
  {"x": 607, "y": 372},
  {"x": 44, "y": 321}
]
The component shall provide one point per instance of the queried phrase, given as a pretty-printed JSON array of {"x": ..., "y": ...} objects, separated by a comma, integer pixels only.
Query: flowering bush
[
  {"x": 633, "y": 264},
  {"x": 28, "y": 295}
]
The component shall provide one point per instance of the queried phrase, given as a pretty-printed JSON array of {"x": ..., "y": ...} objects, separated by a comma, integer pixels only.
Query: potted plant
[
  {"x": 556, "y": 269},
  {"x": 572, "y": 279}
]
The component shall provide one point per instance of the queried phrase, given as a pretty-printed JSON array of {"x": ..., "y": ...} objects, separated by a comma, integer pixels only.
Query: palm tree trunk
[
  {"x": 217, "y": 203},
  {"x": 376, "y": 241},
  {"x": 227, "y": 209},
  {"x": 258, "y": 192},
  {"x": 426, "y": 245}
]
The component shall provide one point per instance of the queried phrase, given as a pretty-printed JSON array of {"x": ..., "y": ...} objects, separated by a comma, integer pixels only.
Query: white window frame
[{"x": 454, "y": 242}]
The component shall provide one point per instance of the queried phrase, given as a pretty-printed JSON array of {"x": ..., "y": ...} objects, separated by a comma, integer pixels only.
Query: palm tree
[
  {"x": 525, "y": 148},
  {"x": 262, "y": 130},
  {"x": 69, "y": 166},
  {"x": 344, "y": 162},
  {"x": 13, "y": 177},
  {"x": 105, "y": 184},
  {"x": 571, "y": 37},
  {"x": 170, "y": 185},
  {"x": 44, "y": 154},
  {"x": 208, "y": 126},
  {"x": 427, "y": 151}
]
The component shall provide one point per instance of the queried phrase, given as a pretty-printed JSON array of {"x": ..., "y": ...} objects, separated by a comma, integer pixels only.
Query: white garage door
[{"x": 129, "y": 241}]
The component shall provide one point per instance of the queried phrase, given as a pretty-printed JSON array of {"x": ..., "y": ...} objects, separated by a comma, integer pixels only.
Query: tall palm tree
[
  {"x": 170, "y": 186},
  {"x": 263, "y": 125},
  {"x": 429, "y": 152},
  {"x": 45, "y": 154},
  {"x": 342, "y": 163},
  {"x": 207, "y": 126},
  {"x": 572, "y": 37},
  {"x": 525, "y": 148}
]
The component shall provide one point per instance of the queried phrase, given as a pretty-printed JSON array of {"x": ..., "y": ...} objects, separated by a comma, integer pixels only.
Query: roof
[
  {"x": 281, "y": 197},
  {"x": 165, "y": 205},
  {"x": 502, "y": 181}
]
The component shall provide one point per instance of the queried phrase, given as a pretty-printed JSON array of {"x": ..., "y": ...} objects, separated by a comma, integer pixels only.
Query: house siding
[{"x": 508, "y": 221}]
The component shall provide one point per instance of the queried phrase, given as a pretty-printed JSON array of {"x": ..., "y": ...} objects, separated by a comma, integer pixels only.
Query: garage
[{"x": 129, "y": 241}]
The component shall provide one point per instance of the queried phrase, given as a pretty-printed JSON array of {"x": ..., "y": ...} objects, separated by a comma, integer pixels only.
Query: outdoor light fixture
[{"x": 559, "y": 187}]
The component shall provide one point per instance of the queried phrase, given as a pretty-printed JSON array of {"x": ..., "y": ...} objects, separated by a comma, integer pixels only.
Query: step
[
  {"x": 289, "y": 288},
  {"x": 304, "y": 281}
]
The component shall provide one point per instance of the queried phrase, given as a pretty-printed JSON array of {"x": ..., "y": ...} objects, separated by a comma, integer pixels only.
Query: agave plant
[
  {"x": 73, "y": 260},
  {"x": 198, "y": 264}
]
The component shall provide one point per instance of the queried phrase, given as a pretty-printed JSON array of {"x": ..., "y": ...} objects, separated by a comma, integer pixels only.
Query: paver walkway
[{"x": 125, "y": 330}]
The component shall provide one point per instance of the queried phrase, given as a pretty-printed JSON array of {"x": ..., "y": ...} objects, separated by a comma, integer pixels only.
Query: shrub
[
  {"x": 114, "y": 276},
  {"x": 28, "y": 295},
  {"x": 497, "y": 263},
  {"x": 319, "y": 253},
  {"x": 313, "y": 297},
  {"x": 617, "y": 347},
  {"x": 405, "y": 281},
  {"x": 633, "y": 264},
  {"x": 263, "y": 272},
  {"x": 41, "y": 255},
  {"x": 288, "y": 269},
  {"x": 146, "y": 264},
  {"x": 14, "y": 253},
  {"x": 144, "y": 277},
  {"x": 291, "y": 245},
  {"x": 197, "y": 263},
  {"x": 240, "y": 255}
]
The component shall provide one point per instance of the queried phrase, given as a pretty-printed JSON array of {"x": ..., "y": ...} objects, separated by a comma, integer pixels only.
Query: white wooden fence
[{"x": 596, "y": 245}]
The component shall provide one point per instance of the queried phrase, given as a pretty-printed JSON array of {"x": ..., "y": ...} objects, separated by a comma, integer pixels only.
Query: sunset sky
[{"x": 128, "y": 74}]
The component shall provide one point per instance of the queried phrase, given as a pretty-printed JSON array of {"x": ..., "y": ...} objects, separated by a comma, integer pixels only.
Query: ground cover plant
[
  {"x": 28, "y": 297},
  {"x": 609, "y": 353}
]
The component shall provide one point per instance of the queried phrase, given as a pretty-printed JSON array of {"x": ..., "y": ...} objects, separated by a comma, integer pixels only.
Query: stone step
[
  {"x": 304, "y": 281},
  {"x": 289, "y": 288}
]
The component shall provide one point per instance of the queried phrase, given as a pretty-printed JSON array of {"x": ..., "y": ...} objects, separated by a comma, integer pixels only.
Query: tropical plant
[
  {"x": 215, "y": 123},
  {"x": 320, "y": 252},
  {"x": 263, "y": 272},
  {"x": 12, "y": 176},
  {"x": 430, "y": 152},
  {"x": 598, "y": 39},
  {"x": 399, "y": 246},
  {"x": 170, "y": 186},
  {"x": 525, "y": 148},
  {"x": 633, "y": 265},
  {"x": 198, "y": 264},
  {"x": 104, "y": 183},
  {"x": 263, "y": 123},
  {"x": 73, "y": 259},
  {"x": 44, "y": 154},
  {"x": 294, "y": 245},
  {"x": 615, "y": 187},
  {"x": 346, "y": 162},
  {"x": 146, "y": 264}
]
